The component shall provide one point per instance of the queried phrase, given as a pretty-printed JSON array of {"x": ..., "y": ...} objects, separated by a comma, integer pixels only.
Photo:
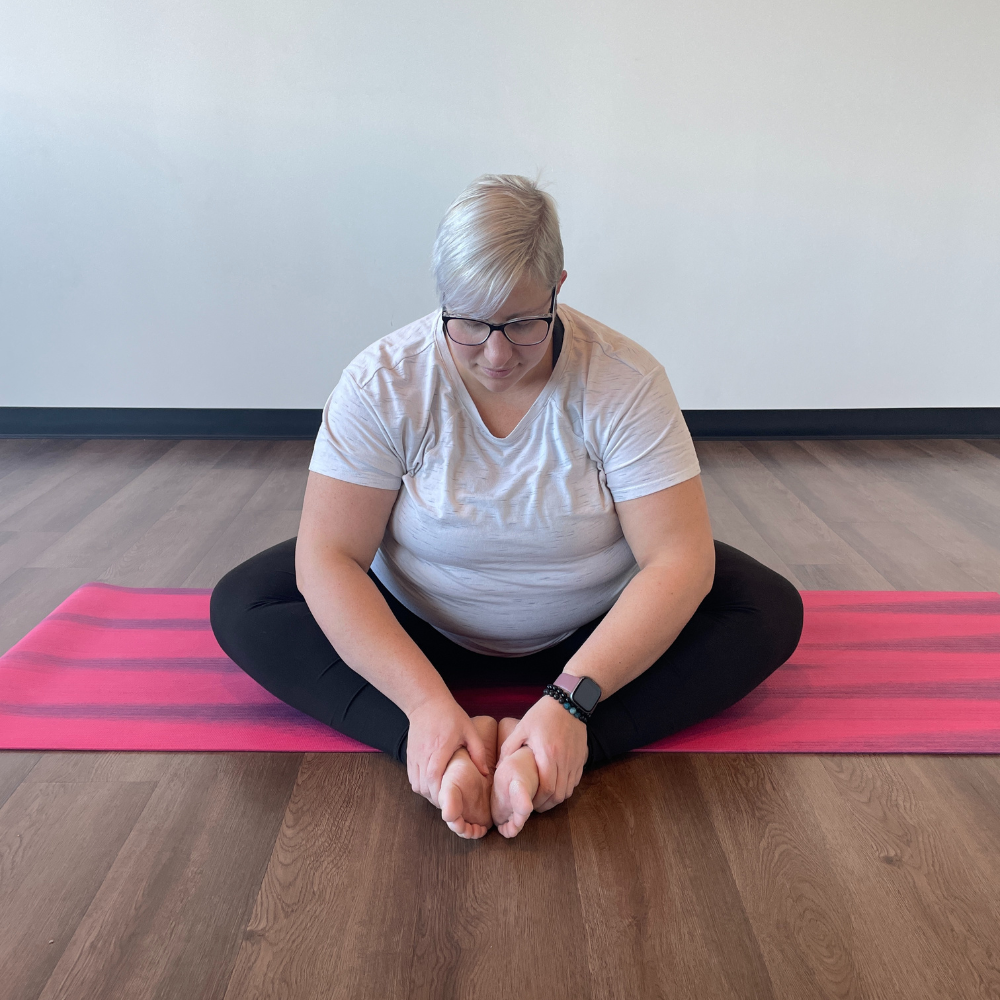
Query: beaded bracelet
[{"x": 564, "y": 699}]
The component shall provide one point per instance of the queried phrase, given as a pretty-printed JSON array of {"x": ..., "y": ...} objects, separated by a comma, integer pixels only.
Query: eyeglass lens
[{"x": 523, "y": 332}]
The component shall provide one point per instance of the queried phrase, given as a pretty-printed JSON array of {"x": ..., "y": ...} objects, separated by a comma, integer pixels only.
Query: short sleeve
[
  {"x": 352, "y": 443},
  {"x": 649, "y": 446}
]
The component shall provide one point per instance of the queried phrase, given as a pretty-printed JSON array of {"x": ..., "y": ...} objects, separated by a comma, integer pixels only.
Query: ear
[{"x": 562, "y": 278}]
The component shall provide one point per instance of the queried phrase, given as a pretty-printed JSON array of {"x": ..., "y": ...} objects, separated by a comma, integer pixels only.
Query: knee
[
  {"x": 265, "y": 578},
  {"x": 230, "y": 600},
  {"x": 782, "y": 611},
  {"x": 769, "y": 605}
]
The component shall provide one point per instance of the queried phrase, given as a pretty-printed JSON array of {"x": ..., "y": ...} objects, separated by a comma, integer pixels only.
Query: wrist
[
  {"x": 442, "y": 698},
  {"x": 573, "y": 674},
  {"x": 563, "y": 703},
  {"x": 581, "y": 692}
]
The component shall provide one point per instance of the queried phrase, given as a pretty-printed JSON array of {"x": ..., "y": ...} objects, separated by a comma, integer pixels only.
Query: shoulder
[
  {"x": 396, "y": 359},
  {"x": 608, "y": 360}
]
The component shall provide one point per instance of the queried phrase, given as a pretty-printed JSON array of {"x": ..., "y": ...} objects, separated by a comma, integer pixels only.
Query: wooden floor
[{"x": 245, "y": 875}]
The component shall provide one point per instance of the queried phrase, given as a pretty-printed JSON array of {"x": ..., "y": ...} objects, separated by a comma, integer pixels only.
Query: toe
[
  {"x": 511, "y": 828},
  {"x": 451, "y": 803},
  {"x": 520, "y": 800}
]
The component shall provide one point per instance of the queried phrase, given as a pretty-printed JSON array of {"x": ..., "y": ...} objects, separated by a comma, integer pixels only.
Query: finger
[
  {"x": 477, "y": 751},
  {"x": 436, "y": 767},
  {"x": 556, "y": 796},
  {"x": 574, "y": 781},
  {"x": 518, "y": 737},
  {"x": 425, "y": 778},
  {"x": 562, "y": 786},
  {"x": 413, "y": 770},
  {"x": 547, "y": 776}
]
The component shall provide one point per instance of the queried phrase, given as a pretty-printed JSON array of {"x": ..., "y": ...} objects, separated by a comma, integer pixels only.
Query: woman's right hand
[{"x": 438, "y": 727}]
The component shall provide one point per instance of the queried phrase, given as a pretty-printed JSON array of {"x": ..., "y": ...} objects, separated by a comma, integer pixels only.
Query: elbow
[
  {"x": 318, "y": 571},
  {"x": 706, "y": 575},
  {"x": 304, "y": 571}
]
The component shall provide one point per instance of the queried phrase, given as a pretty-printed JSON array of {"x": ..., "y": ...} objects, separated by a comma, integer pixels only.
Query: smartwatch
[{"x": 583, "y": 692}]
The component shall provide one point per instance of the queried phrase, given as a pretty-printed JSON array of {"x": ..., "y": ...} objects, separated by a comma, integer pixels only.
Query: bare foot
[
  {"x": 465, "y": 793},
  {"x": 514, "y": 785}
]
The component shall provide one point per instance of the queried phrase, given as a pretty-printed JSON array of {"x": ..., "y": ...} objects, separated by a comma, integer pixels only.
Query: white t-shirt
[{"x": 506, "y": 545}]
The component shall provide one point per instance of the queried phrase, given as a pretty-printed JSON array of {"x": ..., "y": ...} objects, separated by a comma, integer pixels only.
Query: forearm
[
  {"x": 359, "y": 624},
  {"x": 641, "y": 625}
]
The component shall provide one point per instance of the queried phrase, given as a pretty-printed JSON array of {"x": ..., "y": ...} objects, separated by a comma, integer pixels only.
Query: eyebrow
[{"x": 525, "y": 315}]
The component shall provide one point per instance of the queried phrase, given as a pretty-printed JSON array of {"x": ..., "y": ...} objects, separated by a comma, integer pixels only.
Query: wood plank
[
  {"x": 15, "y": 452},
  {"x": 938, "y": 526},
  {"x": 959, "y": 497},
  {"x": 496, "y": 917},
  {"x": 28, "y": 595},
  {"x": 247, "y": 534},
  {"x": 905, "y": 559},
  {"x": 286, "y": 485},
  {"x": 804, "y": 542},
  {"x": 99, "y": 470},
  {"x": 19, "y": 548},
  {"x": 108, "y": 765},
  {"x": 57, "y": 842},
  {"x": 169, "y": 917},
  {"x": 409, "y": 909},
  {"x": 270, "y": 516},
  {"x": 33, "y": 475},
  {"x": 337, "y": 847},
  {"x": 15, "y": 765},
  {"x": 168, "y": 552},
  {"x": 120, "y": 521},
  {"x": 974, "y": 783},
  {"x": 781, "y": 863},
  {"x": 924, "y": 915},
  {"x": 662, "y": 911},
  {"x": 252, "y": 455},
  {"x": 990, "y": 447},
  {"x": 888, "y": 527},
  {"x": 730, "y": 526},
  {"x": 960, "y": 460}
]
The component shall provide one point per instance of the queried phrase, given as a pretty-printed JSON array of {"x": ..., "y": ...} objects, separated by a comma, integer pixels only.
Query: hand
[
  {"x": 559, "y": 743},
  {"x": 438, "y": 727}
]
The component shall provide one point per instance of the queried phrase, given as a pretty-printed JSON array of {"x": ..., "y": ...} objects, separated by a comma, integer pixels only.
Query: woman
[{"x": 504, "y": 491}]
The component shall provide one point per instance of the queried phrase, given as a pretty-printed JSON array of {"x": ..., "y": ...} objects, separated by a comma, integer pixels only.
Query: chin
[{"x": 499, "y": 385}]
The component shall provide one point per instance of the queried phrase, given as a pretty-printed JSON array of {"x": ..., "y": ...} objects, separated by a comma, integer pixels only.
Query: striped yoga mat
[{"x": 117, "y": 668}]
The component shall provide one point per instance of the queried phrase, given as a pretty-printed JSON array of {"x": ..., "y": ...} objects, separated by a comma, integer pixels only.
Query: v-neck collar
[{"x": 540, "y": 400}]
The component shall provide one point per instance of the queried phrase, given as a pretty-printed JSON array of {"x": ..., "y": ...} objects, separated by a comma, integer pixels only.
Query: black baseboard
[
  {"x": 879, "y": 424},
  {"x": 142, "y": 422},
  {"x": 287, "y": 425}
]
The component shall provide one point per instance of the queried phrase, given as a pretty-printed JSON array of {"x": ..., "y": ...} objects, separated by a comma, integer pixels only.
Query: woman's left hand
[{"x": 559, "y": 743}]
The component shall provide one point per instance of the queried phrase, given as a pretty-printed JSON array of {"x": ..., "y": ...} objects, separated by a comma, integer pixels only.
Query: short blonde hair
[{"x": 500, "y": 228}]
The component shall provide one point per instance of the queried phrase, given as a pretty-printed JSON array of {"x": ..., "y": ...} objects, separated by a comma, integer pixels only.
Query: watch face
[{"x": 587, "y": 694}]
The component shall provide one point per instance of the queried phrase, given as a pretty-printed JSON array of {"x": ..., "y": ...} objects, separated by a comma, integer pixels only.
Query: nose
[{"x": 498, "y": 349}]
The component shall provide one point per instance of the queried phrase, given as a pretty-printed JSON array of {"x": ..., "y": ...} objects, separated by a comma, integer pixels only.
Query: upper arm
[
  {"x": 668, "y": 525},
  {"x": 341, "y": 519}
]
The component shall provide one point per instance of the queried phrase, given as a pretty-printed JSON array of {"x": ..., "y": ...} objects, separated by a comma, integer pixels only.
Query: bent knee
[
  {"x": 229, "y": 602},
  {"x": 784, "y": 617},
  {"x": 265, "y": 578},
  {"x": 768, "y": 607}
]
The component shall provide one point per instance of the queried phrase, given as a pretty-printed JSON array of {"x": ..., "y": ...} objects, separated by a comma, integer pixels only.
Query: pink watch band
[{"x": 567, "y": 682}]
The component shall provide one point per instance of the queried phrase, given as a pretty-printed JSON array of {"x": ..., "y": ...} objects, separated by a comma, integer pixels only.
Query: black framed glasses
[{"x": 525, "y": 332}]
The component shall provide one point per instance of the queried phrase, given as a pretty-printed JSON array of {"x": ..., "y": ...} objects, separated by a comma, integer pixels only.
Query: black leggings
[{"x": 746, "y": 627}]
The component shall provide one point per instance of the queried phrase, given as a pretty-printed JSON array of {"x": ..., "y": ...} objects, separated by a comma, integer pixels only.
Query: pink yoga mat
[{"x": 117, "y": 668}]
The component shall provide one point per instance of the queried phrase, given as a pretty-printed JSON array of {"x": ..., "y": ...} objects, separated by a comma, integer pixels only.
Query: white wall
[{"x": 791, "y": 204}]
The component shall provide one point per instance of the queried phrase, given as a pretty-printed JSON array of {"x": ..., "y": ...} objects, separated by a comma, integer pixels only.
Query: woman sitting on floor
[{"x": 504, "y": 492}]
